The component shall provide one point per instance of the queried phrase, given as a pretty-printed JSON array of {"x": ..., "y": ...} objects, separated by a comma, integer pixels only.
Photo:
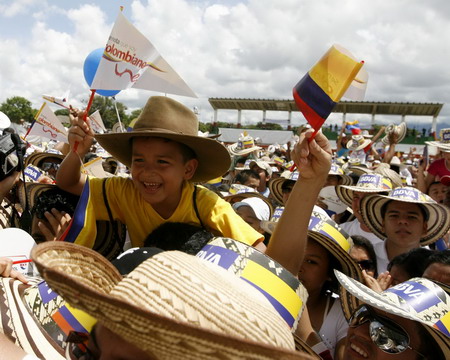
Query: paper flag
[
  {"x": 97, "y": 123},
  {"x": 47, "y": 124},
  {"x": 317, "y": 93},
  {"x": 130, "y": 60}
]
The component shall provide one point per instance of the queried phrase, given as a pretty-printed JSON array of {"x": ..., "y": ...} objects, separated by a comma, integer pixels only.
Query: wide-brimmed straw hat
[
  {"x": 417, "y": 299},
  {"x": 438, "y": 222},
  {"x": 276, "y": 185},
  {"x": 284, "y": 291},
  {"x": 444, "y": 140},
  {"x": 367, "y": 183},
  {"x": 37, "y": 158},
  {"x": 400, "y": 130},
  {"x": 357, "y": 142},
  {"x": 172, "y": 306},
  {"x": 330, "y": 235},
  {"x": 338, "y": 171},
  {"x": 38, "y": 318},
  {"x": 245, "y": 145},
  {"x": 166, "y": 118}
]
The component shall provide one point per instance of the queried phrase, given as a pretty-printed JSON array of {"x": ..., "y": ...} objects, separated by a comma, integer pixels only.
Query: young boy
[{"x": 165, "y": 155}]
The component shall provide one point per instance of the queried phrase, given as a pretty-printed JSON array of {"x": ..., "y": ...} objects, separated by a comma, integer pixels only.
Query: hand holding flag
[{"x": 318, "y": 92}]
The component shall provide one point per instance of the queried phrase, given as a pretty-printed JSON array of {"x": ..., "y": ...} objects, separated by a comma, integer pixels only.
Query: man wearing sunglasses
[{"x": 407, "y": 321}]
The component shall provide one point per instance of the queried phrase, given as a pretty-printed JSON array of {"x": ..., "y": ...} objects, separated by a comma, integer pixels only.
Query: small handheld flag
[
  {"x": 318, "y": 92},
  {"x": 353, "y": 127}
]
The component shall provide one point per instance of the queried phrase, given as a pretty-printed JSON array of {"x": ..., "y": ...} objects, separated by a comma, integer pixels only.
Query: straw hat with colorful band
[
  {"x": 37, "y": 319},
  {"x": 279, "y": 286},
  {"x": 32, "y": 173},
  {"x": 357, "y": 142},
  {"x": 417, "y": 299},
  {"x": 337, "y": 170},
  {"x": 37, "y": 158},
  {"x": 166, "y": 118},
  {"x": 367, "y": 183},
  {"x": 245, "y": 145},
  {"x": 276, "y": 185},
  {"x": 444, "y": 140},
  {"x": 438, "y": 222},
  {"x": 400, "y": 130},
  {"x": 358, "y": 170},
  {"x": 33, "y": 191},
  {"x": 329, "y": 234},
  {"x": 205, "y": 311}
]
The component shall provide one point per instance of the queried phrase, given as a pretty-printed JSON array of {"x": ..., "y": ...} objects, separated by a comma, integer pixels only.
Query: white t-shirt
[
  {"x": 334, "y": 327},
  {"x": 354, "y": 228},
  {"x": 382, "y": 257}
]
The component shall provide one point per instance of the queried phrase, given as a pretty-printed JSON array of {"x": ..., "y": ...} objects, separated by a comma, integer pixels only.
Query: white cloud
[{"x": 249, "y": 49}]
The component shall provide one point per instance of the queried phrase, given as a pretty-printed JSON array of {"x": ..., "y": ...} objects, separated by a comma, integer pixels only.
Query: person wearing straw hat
[
  {"x": 406, "y": 219},
  {"x": 357, "y": 147},
  {"x": 144, "y": 325},
  {"x": 439, "y": 169},
  {"x": 407, "y": 321},
  {"x": 351, "y": 195},
  {"x": 165, "y": 155},
  {"x": 327, "y": 249}
]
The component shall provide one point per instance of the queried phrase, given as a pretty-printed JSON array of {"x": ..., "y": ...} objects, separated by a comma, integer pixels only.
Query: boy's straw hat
[
  {"x": 166, "y": 118},
  {"x": 438, "y": 222},
  {"x": 172, "y": 306},
  {"x": 358, "y": 142},
  {"x": 417, "y": 299}
]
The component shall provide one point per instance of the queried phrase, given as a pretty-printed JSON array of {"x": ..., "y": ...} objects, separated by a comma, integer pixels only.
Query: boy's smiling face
[{"x": 159, "y": 167}]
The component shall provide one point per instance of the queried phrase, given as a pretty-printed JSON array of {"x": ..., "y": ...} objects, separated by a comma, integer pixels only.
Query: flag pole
[
  {"x": 91, "y": 99},
  {"x": 117, "y": 114}
]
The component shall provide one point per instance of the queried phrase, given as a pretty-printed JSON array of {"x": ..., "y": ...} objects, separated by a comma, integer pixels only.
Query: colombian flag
[
  {"x": 322, "y": 87},
  {"x": 353, "y": 127}
]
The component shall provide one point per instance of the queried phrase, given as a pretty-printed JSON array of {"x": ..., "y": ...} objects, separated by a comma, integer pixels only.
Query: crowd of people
[{"x": 160, "y": 243}]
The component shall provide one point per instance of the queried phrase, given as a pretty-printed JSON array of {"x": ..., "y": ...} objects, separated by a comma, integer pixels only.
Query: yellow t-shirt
[{"x": 128, "y": 206}]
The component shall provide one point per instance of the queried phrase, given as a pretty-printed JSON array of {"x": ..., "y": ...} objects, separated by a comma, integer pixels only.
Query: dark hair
[
  {"x": 54, "y": 199},
  {"x": 440, "y": 257},
  {"x": 243, "y": 176},
  {"x": 423, "y": 210},
  {"x": 178, "y": 236},
  {"x": 362, "y": 242},
  {"x": 412, "y": 262}
]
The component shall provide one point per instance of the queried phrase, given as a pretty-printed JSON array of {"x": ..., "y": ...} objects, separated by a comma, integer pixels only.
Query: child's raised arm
[
  {"x": 313, "y": 160},
  {"x": 69, "y": 177}
]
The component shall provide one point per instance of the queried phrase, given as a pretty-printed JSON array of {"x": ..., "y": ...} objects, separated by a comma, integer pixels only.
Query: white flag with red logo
[
  {"x": 47, "y": 124},
  {"x": 130, "y": 60},
  {"x": 97, "y": 123}
]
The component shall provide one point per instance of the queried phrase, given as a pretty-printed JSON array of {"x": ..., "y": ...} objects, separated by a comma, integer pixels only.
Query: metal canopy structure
[{"x": 345, "y": 107}]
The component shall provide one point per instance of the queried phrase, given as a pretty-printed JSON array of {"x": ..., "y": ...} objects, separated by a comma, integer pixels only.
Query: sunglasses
[
  {"x": 366, "y": 264},
  {"x": 390, "y": 337},
  {"x": 46, "y": 166}
]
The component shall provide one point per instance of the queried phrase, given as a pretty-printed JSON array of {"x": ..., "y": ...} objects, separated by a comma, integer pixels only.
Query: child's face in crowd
[
  {"x": 438, "y": 192},
  {"x": 249, "y": 216},
  {"x": 404, "y": 223},
  {"x": 314, "y": 270},
  {"x": 158, "y": 170}
]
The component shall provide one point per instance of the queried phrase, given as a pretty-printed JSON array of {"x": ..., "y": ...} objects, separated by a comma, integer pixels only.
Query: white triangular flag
[
  {"x": 47, "y": 124},
  {"x": 130, "y": 60}
]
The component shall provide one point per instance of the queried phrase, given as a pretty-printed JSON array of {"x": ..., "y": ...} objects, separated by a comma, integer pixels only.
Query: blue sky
[{"x": 244, "y": 49}]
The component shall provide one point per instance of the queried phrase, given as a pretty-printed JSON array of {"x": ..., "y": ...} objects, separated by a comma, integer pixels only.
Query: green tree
[
  {"x": 18, "y": 108},
  {"x": 105, "y": 105}
]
